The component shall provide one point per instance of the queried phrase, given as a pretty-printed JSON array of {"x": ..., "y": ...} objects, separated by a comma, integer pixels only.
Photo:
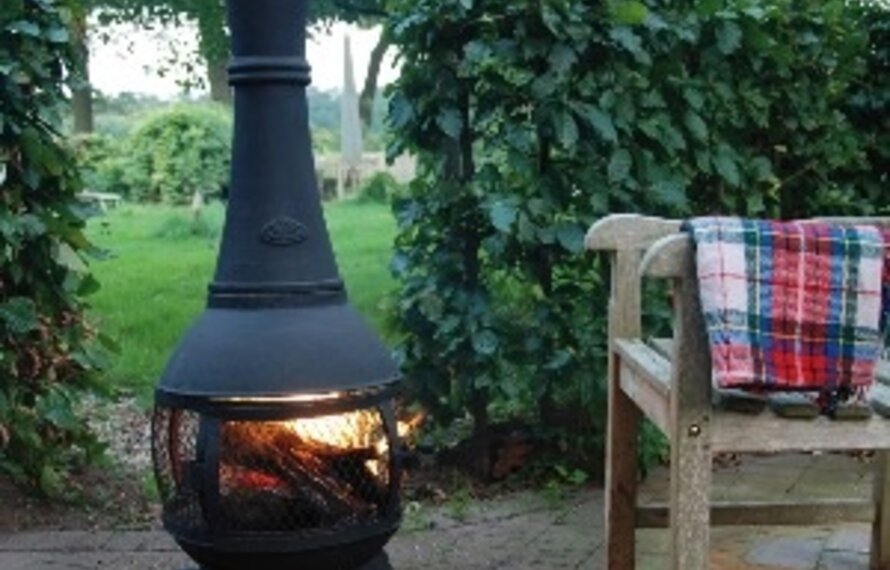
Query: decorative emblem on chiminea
[{"x": 275, "y": 442}]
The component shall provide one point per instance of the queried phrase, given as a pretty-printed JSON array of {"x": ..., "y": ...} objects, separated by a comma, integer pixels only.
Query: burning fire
[
  {"x": 308, "y": 472},
  {"x": 361, "y": 429}
]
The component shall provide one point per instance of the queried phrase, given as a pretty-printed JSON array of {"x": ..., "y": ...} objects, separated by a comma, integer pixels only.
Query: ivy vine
[{"x": 48, "y": 357}]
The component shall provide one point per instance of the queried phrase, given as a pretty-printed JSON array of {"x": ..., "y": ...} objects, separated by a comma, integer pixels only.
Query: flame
[
  {"x": 358, "y": 430},
  {"x": 361, "y": 429},
  {"x": 353, "y": 430}
]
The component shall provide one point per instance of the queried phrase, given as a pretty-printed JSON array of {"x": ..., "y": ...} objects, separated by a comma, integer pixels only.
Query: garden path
[{"x": 535, "y": 531}]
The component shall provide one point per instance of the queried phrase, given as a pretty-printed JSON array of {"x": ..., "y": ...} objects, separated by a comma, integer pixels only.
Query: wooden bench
[
  {"x": 669, "y": 381},
  {"x": 104, "y": 200}
]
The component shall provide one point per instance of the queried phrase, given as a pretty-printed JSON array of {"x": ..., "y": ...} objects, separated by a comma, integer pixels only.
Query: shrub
[
  {"x": 48, "y": 357},
  {"x": 381, "y": 188},
  {"x": 177, "y": 152},
  {"x": 532, "y": 119},
  {"x": 101, "y": 162}
]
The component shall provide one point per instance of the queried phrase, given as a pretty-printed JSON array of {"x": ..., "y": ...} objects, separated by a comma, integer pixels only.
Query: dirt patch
[
  {"x": 109, "y": 502},
  {"x": 113, "y": 496}
]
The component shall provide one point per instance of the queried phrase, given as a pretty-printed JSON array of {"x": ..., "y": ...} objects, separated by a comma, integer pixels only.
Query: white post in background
[{"x": 351, "y": 149}]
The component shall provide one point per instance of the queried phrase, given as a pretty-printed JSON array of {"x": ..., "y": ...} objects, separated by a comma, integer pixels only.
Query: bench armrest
[{"x": 628, "y": 232}]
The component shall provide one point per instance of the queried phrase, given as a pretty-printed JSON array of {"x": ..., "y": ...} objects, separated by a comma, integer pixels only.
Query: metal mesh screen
[
  {"x": 304, "y": 477},
  {"x": 310, "y": 474},
  {"x": 175, "y": 453}
]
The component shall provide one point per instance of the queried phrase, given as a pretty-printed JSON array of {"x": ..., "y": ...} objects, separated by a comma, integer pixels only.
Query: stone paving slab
[{"x": 529, "y": 531}]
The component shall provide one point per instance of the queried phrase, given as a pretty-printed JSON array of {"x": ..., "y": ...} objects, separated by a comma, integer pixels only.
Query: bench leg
[
  {"x": 690, "y": 499},
  {"x": 621, "y": 478},
  {"x": 880, "y": 544}
]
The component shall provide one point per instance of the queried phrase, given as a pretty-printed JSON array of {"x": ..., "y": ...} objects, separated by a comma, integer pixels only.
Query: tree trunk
[
  {"x": 218, "y": 78},
  {"x": 369, "y": 92},
  {"x": 82, "y": 92}
]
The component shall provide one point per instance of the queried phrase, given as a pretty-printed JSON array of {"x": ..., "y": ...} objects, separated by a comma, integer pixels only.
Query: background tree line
[{"x": 208, "y": 16}]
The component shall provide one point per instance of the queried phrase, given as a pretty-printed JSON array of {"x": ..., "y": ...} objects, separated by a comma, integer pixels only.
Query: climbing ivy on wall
[
  {"x": 48, "y": 357},
  {"x": 531, "y": 119}
]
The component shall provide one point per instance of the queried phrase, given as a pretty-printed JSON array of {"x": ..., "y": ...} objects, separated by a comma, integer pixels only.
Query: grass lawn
[{"x": 155, "y": 279}]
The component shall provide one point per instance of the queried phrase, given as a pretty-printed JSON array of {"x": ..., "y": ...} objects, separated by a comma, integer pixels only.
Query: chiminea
[{"x": 274, "y": 438}]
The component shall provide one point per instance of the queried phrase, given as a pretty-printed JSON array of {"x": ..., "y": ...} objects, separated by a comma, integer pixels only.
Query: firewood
[{"x": 320, "y": 484}]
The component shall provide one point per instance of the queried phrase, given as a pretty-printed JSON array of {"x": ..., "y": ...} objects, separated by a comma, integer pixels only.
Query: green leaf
[
  {"x": 57, "y": 35},
  {"x": 88, "y": 286},
  {"x": 451, "y": 122},
  {"x": 19, "y": 315},
  {"x": 25, "y": 28},
  {"x": 626, "y": 38},
  {"x": 620, "y": 165},
  {"x": 727, "y": 167},
  {"x": 570, "y": 237},
  {"x": 51, "y": 482},
  {"x": 485, "y": 342},
  {"x": 708, "y": 8},
  {"x": 696, "y": 126},
  {"x": 562, "y": 58},
  {"x": 527, "y": 230},
  {"x": 567, "y": 130},
  {"x": 477, "y": 51},
  {"x": 56, "y": 408},
  {"x": 695, "y": 98},
  {"x": 628, "y": 12},
  {"x": 729, "y": 37},
  {"x": 755, "y": 205},
  {"x": 560, "y": 359},
  {"x": 600, "y": 121},
  {"x": 503, "y": 216},
  {"x": 552, "y": 19},
  {"x": 671, "y": 192},
  {"x": 467, "y": 4},
  {"x": 401, "y": 112},
  {"x": 538, "y": 207},
  {"x": 762, "y": 168},
  {"x": 483, "y": 381},
  {"x": 544, "y": 86}
]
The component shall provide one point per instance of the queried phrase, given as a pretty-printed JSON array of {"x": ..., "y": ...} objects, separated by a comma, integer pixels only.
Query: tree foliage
[
  {"x": 533, "y": 119},
  {"x": 210, "y": 17},
  {"x": 177, "y": 152},
  {"x": 48, "y": 357}
]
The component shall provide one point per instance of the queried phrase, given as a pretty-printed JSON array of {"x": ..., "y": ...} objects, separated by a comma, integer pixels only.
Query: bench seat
[{"x": 646, "y": 378}]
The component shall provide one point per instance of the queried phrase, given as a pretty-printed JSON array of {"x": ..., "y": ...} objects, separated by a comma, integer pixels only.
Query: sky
[{"x": 134, "y": 59}]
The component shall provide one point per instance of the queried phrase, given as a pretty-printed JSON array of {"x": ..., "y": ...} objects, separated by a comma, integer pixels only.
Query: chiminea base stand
[{"x": 381, "y": 562}]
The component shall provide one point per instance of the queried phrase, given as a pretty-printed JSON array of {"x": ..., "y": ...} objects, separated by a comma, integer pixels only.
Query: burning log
[{"x": 272, "y": 476}]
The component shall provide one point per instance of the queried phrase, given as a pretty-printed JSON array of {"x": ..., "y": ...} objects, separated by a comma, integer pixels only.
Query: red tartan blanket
[
  {"x": 885, "y": 317},
  {"x": 791, "y": 305}
]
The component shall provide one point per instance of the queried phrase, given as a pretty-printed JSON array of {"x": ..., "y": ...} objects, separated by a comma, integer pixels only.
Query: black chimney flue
[
  {"x": 275, "y": 240},
  {"x": 278, "y": 320}
]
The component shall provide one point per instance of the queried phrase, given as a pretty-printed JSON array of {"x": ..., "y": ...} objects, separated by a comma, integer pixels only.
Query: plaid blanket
[
  {"x": 885, "y": 315},
  {"x": 791, "y": 305}
]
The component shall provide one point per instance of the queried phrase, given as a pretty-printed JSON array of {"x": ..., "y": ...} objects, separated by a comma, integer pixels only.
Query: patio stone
[
  {"x": 844, "y": 561},
  {"x": 851, "y": 539},
  {"x": 529, "y": 531},
  {"x": 791, "y": 553}
]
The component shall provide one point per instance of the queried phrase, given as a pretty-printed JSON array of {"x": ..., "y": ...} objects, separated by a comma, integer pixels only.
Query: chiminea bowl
[
  {"x": 274, "y": 438},
  {"x": 309, "y": 483}
]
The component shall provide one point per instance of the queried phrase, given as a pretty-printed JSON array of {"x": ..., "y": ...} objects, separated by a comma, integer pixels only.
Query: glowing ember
[{"x": 362, "y": 429}]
